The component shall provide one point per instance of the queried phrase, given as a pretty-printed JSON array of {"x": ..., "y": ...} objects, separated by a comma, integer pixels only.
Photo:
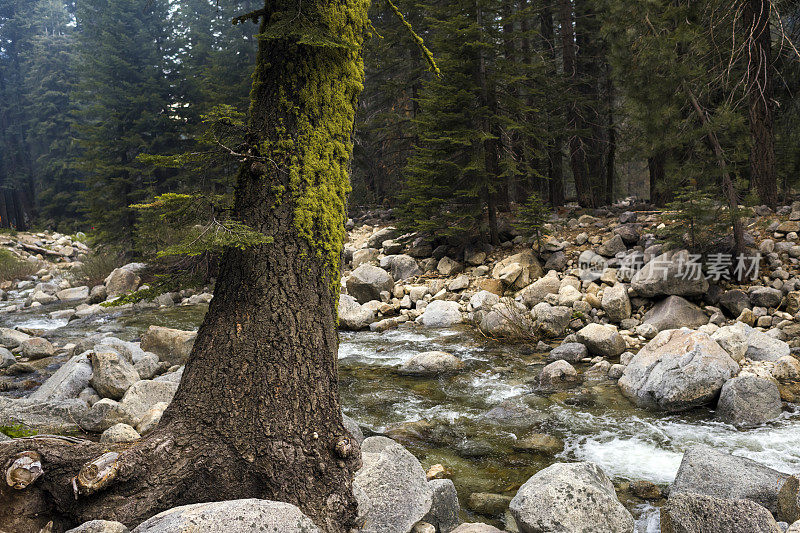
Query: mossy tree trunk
[{"x": 257, "y": 413}]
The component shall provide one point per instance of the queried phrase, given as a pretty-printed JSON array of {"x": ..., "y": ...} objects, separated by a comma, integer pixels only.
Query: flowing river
[{"x": 470, "y": 421}]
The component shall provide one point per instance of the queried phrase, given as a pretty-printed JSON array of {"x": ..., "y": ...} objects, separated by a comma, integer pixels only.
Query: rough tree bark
[
  {"x": 257, "y": 413},
  {"x": 756, "y": 15}
]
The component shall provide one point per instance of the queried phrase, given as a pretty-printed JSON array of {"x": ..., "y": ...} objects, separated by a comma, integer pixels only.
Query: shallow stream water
[{"x": 470, "y": 421}]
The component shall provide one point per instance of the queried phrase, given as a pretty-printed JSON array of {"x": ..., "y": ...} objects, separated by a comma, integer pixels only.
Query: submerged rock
[{"x": 431, "y": 363}]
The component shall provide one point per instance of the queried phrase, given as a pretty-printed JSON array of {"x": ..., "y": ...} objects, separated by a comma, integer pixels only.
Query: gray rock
[
  {"x": 557, "y": 261},
  {"x": 121, "y": 281},
  {"x": 232, "y": 516},
  {"x": 613, "y": 246},
  {"x": 748, "y": 401},
  {"x": 143, "y": 395},
  {"x": 67, "y": 382},
  {"x": 104, "y": 414},
  {"x": 352, "y": 315},
  {"x": 571, "y": 352},
  {"x": 120, "y": 433},
  {"x": 616, "y": 303},
  {"x": 44, "y": 416},
  {"x": 570, "y": 497},
  {"x": 449, "y": 267},
  {"x": 431, "y": 363},
  {"x": 98, "y": 294},
  {"x": 529, "y": 270},
  {"x": 112, "y": 374},
  {"x": 75, "y": 293},
  {"x": 665, "y": 275},
  {"x": 391, "y": 487},
  {"x": 100, "y": 526},
  {"x": 353, "y": 427},
  {"x": 733, "y": 340},
  {"x": 401, "y": 266},
  {"x": 677, "y": 370},
  {"x": 483, "y": 300},
  {"x": 476, "y": 527},
  {"x": 11, "y": 338},
  {"x": 763, "y": 347},
  {"x": 552, "y": 320},
  {"x": 705, "y": 470},
  {"x": 170, "y": 345},
  {"x": 538, "y": 290},
  {"x": 734, "y": 302},
  {"x": 36, "y": 348},
  {"x": 6, "y": 358},
  {"x": 147, "y": 366},
  {"x": 765, "y": 297},
  {"x": 673, "y": 313},
  {"x": 376, "y": 239},
  {"x": 602, "y": 340},
  {"x": 131, "y": 351},
  {"x": 365, "y": 255},
  {"x": 444, "y": 507},
  {"x": 151, "y": 418},
  {"x": 367, "y": 282},
  {"x": 697, "y": 513},
  {"x": 441, "y": 314}
]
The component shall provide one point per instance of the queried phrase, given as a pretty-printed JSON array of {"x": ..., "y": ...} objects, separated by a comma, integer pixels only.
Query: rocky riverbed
[{"x": 535, "y": 391}]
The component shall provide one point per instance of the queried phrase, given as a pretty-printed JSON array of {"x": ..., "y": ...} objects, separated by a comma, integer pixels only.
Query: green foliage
[
  {"x": 13, "y": 267},
  {"x": 16, "y": 431},
  {"x": 531, "y": 218}
]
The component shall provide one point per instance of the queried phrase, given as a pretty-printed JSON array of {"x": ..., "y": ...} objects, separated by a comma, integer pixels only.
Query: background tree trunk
[
  {"x": 756, "y": 15},
  {"x": 257, "y": 413}
]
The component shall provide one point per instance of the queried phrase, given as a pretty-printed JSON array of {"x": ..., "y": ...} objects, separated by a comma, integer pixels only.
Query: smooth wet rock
[
  {"x": 112, "y": 374},
  {"x": 36, "y": 348},
  {"x": 675, "y": 312},
  {"x": 441, "y": 314},
  {"x": 602, "y": 340},
  {"x": 352, "y": 315},
  {"x": 697, "y": 513},
  {"x": 170, "y": 345},
  {"x": 705, "y": 470},
  {"x": 569, "y": 497},
  {"x": 539, "y": 443},
  {"x": 367, "y": 282},
  {"x": 679, "y": 369},
  {"x": 666, "y": 275},
  {"x": 431, "y": 363},
  {"x": 67, "y": 382},
  {"x": 749, "y": 401},
  {"x": 391, "y": 487},
  {"x": 231, "y": 516},
  {"x": 100, "y": 526},
  {"x": 444, "y": 507}
]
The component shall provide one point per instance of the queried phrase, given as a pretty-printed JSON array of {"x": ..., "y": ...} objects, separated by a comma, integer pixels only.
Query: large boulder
[
  {"x": 391, "y": 487},
  {"x": 762, "y": 346},
  {"x": 748, "y": 401},
  {"x": 67, "y": 382},
  {"x": 401, "y": 266},
  {"x": 57, "y": 416},
  {"x": 74, "y": 293},
  {"x": 444, "y": 507},
  {"x": 570, "y": 497},
  {"x": 734, "y": 302},
  {"x": 232, "y": 516},
  {"x": 36, "y": 348},
  {"x": 552, "y": 321},
  {"x": 733, "y": 340},
  {"x": 104, "y": 414},
  {"x": 143, "y": 395},
  {"x": 679, "y": 369},
  {"x": 385, "y": 234},
  {"x": 538, "y": 290},
  {"x": 112, "y": 374},
  {"x": 616, "y": 303},
  {"x": 766, "y": 297},
  {"x": 431, "y": 363},
  {"x": 697, "y": 513},
  {"x": 705, "y": 470},
  {"x": 602, "y": 340},
  {"x": 669, "y": 274},
  {"x": 571, "y": 352},
  {"x": 674, "y": 313},
  {"x": 170, "y": 345},
  {"x": 367, "y": 282},
  {"x": 516, "y": 277},
  {"x": 11, "y": 338},
  {"x": 6, "y": 358},
  {"x": 441, "y": 314},
  {"x": 352, "y": 315},
  {"x": 122, "y": 281}
]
